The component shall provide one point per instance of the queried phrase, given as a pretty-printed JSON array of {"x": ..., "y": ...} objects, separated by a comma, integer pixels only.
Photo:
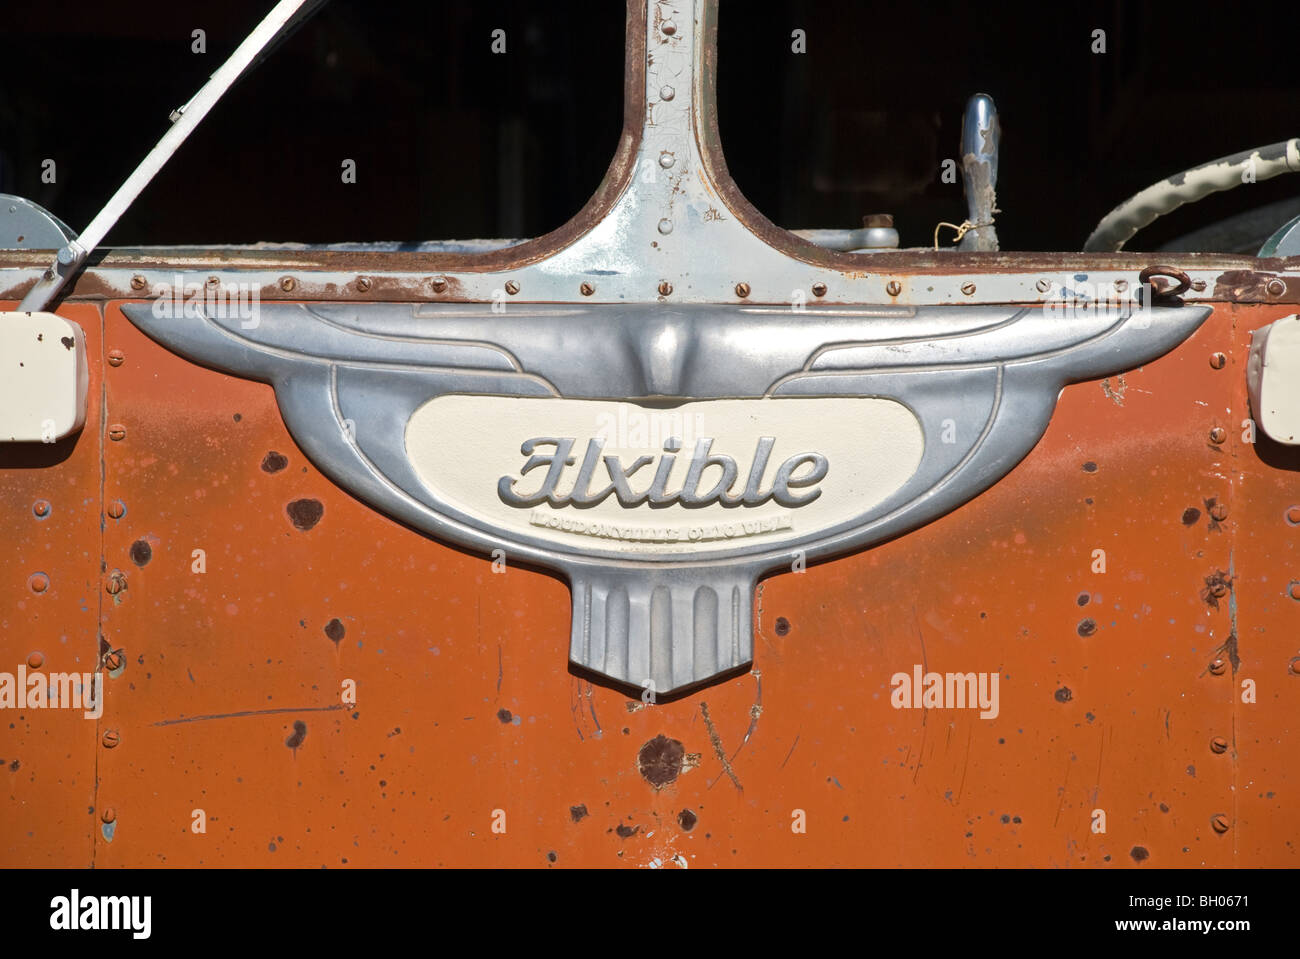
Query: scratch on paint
[
  {"x": 1061, "y": 804},
  {"x": 966, "y": 762},
  {"x": 755, "y": 711},
  {"x": 1116, "y": 393},
  {"x": 791, "y": 752},
  {"x": 717, "y": 748},
  {"x": 500, "y": 672},
  {"x": 575, "y": 706},
  {"x": 250, "y": 712},
  {"x": 591, "y": 707},
  {"x": 925, "y": 712}
]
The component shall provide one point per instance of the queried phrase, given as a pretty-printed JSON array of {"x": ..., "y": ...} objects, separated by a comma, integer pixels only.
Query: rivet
[
  {"x": 117, "y": 509},
  {"x": 116, "y": 582},
  {"x": 287, "y": 283},
  {"x": 1218, "y": 512},
  {"x": 666, "y": 159},
  {"x": 1218, "y": 361},
  {"x": 1121, "y": 286},
  {"x": 968, "y": 288},
  {"x": 1218, "y": 435},
  {"x": 1295, "y": 666},
  {"x": 819, "y": 289},
  {"x": 36, "y": 660},
  {"x": 893, "y": 288},
  {"x": 665, "y": 288},
  {"x": 512, "y": 287},
  {"x": 363, "y": 284},
  {"x": 439, "y": 284},
  {"x": 117, "y": 432},
  {"x": 1293, "y": 590},
  {"x": 109, "y": 814},
  {"x": 742, "y": 289},
  {"x": 1198, "y": 286},
  {"x": 1218, "y": 590},
  {"x": 38, "y": 582},
  {"x": 137, "y": 282},
  {"x": 113, "y": 661},
  {"x": 1218, "y": 744},
  {"x": 1042, "y": 286},
  {"x": 587, "y": 289},
  {"x": 669, "y": 28},
  {"x": 1275, "y": 287},
  {"x": 111, "y": 738},
  {"x": 116, "y": 357},
  {"x": 1293, "y": 515},
  {"x": 1218, "y": 666},
  {"x": 41, "y": 508},
  {"x": 667, "y": 93},
  {"x": 1220, "y": 823},
  {"x": 665, "y": 226}
]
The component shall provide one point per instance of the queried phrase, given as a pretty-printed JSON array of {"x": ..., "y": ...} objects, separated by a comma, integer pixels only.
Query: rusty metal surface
[
  {"x": 1114, "y": 687},
  {"x": 49, "y": 614}
]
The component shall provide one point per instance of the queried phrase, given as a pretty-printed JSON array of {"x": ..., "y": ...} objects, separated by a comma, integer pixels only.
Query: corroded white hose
[{"x": 1118, "y": 226}]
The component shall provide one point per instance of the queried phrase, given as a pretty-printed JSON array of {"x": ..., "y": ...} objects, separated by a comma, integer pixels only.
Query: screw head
[
  {"x": 111, "y": 738},
  {"x": 512, "y": 287},
  {"x": 665, "y": 288},
  {"x": 137, "y": 282},
  {"x": 665, "y": 226},
  {"x": 109, "y": 814},
  {"x": 1219, "y": 666},
  {"x": 666, "y": 159},
  {"x": 667, "y": 93},
  {"x": 1275, "y": 287},
  {"x": 1218, "y": 435},
  {"x": 41, "y": 508},
  {"x": 1220, "y": 823},
  {"x": 288, "y": 283},
  {"x": 587, "y": 289},
  {"x": 113, "y": 661},
  {"x": 1295, "y": 666},
  {"x": 1121, "y": 286},
  {"x": 1218, "y": 590},
  {"x": 116, "y": 509},
  {"x": 968, "y": 288},
  {"x": 38, "y": 582},
  {"x": 1218, "y": 512},
  {"x": 1293, "y": 590},
  {"x": 1218, "y": 361},
  {"x": 1218, "y": 744},
  {"x": 117, "y": 432},
  {"x": 116, "y": 582},
  {"x": 1042, "y": 286},
  {"x": 1198, "y": 286},
  {"x": 1293, "y": 515},
  {"x": 439, "y": 284},
  {"x": 893, "y": 288},
  {"x": 116, "y": 357},
  {"x": 36, "y": 659},
  {"x": 668, "y": 27},
  {"x": 213, "y": 281},
  {"x": 742, "y": 289},
  {"x": 819, "y": 289},
  {"x": 363, "y": 284}
]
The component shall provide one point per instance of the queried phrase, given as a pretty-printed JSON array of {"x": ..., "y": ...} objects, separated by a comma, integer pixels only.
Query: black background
[{"x": 453, "y": 141}]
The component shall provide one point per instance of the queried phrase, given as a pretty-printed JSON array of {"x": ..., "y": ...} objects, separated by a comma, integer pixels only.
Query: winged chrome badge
[{"x": 789, "y": 436}]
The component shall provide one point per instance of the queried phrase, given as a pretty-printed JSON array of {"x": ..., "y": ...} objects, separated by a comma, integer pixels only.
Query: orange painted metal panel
[
  {"x": 1113, "y": 686},
  {"x": 49, "y": 612}
]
